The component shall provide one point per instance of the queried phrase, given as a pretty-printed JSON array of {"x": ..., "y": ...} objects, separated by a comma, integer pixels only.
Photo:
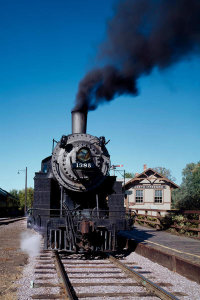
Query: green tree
[
  {"x": 30, "y": 192},
  {"x": 165, "y": 172},
  {"x": 129, "y": 175},
  {"x": 15, "y": 193},
  {"x": 188, "y": 195}
]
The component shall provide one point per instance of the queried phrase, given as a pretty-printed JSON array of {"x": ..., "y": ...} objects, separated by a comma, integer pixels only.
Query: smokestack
[
  {"x": 145, "y": 167},
  {"x": 79, "y": 121}
]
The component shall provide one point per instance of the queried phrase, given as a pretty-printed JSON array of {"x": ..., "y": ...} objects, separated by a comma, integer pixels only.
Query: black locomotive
[{"x": 77, "y": 205}]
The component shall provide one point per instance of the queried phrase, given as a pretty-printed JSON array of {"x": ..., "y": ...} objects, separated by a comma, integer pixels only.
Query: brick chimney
[{"x": 145, "y": 167}]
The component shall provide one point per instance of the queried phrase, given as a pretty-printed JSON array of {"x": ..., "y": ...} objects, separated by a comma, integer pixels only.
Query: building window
[
  {"x": 139, "y": 196},
  {"x": 158, "y": 196}
]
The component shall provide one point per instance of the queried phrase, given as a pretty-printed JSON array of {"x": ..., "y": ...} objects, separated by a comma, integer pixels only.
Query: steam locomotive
[{"x": 77, "y": 205}]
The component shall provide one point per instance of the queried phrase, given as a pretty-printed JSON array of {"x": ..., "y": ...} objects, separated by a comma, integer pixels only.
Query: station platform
[{"x": 178, "y": 253}]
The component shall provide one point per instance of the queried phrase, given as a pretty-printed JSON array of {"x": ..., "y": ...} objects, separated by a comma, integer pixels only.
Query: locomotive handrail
[
  {"x": 82, "y": 214},
  {"x": 74, "y": 210}
]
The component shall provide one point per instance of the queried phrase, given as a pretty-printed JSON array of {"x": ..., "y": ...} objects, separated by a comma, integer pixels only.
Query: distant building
[
  {"x": 7, "y": 203},
  {"x": 149, "y": 190}
]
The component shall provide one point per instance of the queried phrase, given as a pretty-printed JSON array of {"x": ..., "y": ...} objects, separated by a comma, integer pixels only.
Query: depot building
[{"x": 149, "y": 190}]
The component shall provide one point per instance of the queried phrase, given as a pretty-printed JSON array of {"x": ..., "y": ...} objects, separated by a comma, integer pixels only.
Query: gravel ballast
[
  {"x": 30, "y": 283},
  {"x": 12, "y": 259},
  {"x": 159, "y": 273}
]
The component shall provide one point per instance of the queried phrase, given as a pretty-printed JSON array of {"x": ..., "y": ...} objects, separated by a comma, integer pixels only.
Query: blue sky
[{"x": 46, "y": 48}]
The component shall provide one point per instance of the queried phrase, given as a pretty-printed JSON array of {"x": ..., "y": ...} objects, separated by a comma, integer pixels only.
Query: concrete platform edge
[{"x": 172, "y": 262}]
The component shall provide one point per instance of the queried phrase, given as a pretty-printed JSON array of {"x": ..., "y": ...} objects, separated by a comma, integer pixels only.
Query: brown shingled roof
[{"x": 144, "y": 175}]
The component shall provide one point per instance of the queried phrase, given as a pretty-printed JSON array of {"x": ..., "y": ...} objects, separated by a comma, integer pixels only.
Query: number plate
[{"x": 80, "y": 165}]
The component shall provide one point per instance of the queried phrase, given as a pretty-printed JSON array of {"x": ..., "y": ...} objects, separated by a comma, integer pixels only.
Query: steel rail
[
  {"x": 68, "y": 288},
  {"x": 8, "y": 221},
  {"x": 154, "y": 288}
]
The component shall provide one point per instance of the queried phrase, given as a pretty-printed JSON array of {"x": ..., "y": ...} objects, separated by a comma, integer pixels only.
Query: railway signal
[{"x": 122, "y": 172}]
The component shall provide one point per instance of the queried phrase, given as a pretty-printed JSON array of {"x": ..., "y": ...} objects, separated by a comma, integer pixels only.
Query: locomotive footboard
[{"x": 80, "y": 231}]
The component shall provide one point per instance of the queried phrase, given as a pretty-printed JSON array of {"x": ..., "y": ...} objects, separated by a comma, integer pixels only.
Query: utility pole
[
  {"x": 25, "y": 204},
  {"x": 25, "y": 208}
]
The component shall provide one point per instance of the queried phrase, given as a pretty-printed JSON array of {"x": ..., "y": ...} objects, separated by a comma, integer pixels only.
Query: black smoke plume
[{"x": 143, "y": 34}]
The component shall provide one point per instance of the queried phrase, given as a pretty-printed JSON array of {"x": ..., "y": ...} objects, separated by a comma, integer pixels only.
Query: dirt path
[{"x": 12, "y": 259}]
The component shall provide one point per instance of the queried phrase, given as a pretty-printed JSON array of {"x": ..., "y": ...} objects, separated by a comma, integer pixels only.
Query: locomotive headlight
[{"x": 83, "y": 155}]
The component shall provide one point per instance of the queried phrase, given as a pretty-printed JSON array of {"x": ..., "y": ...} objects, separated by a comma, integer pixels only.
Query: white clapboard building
[{"x": 149, "y": 190}]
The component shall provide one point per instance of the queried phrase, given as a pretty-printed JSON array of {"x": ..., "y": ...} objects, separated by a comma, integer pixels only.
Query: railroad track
[
  {"x": 100, "y": 277},
  {"x": 5, "y": 221}
]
